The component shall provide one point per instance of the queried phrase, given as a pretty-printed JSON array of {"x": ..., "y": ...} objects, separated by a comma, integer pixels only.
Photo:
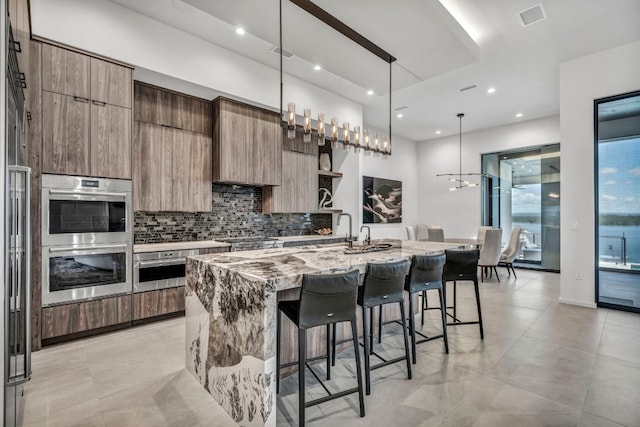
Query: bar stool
[
  {"x": 383, "y": 284},
  {"x": 462, "y": 265},
  {"x": 325, "y": 299},
  {"x": 425, "y": 274}
]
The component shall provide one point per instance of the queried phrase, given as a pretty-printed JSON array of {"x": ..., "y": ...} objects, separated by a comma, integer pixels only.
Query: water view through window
[{"x": 618, "y": 202}]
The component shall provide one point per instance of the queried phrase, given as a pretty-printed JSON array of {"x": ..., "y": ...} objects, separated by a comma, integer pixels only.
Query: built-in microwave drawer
[{"x": 160, "y": 270}]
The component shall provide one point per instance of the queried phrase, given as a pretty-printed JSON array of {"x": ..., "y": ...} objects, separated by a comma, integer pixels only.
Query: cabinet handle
[
  {"x": 80, "y": 99},
  {"x": 99, "y": 103}
]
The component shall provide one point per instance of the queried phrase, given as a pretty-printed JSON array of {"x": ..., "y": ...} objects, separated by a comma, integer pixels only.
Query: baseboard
[{"x": 580, "y": 303}]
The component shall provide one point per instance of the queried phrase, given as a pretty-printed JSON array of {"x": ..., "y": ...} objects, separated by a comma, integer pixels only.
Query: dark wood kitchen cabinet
[
  {"x": 172, "y": 169},
  {"x": 161, "y": 302},
  {"x": 86, "y": 114},
  {"x": 74, "y": 318},
  {"x": 164, "y": 107},
  {"x": 65, "y": 134},
  {"x": 247, "y": 144},
  {"x": 299, "y": 190}
]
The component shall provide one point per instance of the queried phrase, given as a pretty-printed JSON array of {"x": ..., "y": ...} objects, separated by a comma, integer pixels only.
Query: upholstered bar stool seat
[
  {"x": 325, "y": 300},
  {"x": 383, "y": 284},
  {"x": 425, "y": 275},
  {"x": 462, "y": 265}
]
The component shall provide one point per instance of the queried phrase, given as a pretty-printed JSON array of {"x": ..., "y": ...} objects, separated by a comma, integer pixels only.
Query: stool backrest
[
  {"x": 461, "y": 265},
  {"x": 328, "y": 298},
  {"x": 426, "y": 269},
  {"x": 384, "y": 282}
]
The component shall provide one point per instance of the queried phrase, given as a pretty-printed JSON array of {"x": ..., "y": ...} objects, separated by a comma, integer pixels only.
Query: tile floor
[{"x": 541, "y": 364}]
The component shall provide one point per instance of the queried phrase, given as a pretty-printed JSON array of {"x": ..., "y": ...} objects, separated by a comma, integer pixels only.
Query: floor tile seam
[
  {"x": 536, "y": 393},
  {"x": 605, "y": 418},
  {"x": 137, "y": 384},
  {"x": 634, "y": 364},
  {"x": 557, "y": 344}
]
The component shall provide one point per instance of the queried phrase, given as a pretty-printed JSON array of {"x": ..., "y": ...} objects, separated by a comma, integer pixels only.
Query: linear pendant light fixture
[
  {"x": 457, "y": 177},
  {"x": 347, "y": 137}
]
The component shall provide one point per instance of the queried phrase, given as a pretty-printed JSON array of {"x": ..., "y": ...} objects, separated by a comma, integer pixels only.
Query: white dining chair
[
  {"x": 510, "y": 254},
  {"x": 422, "y": 232},
  {"x": 411, "y": 232},
  {"x": 481, "y": 231},
  {"x": 436, "y": 234},
  {"x": 490, "y": 252}
]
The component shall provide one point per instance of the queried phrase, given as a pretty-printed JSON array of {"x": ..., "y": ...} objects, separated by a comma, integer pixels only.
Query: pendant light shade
[{"x": 456, "y": 178}]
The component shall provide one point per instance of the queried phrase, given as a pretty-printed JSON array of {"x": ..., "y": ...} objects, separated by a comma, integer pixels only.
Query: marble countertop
[
  {"x": 177, "y": 246},
  {"x": 282, "y": 267}
]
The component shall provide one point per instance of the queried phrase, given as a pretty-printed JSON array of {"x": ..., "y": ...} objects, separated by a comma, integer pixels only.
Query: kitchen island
[{"x": 231, "y": 301}]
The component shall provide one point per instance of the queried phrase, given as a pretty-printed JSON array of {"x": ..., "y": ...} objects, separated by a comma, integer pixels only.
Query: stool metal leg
[
  {"x": 475, "y": 283},
  {"x": 278, "y": 320},
  {"x": 302, "y": 357},
  {"x": 412, "y": 327},
  {"x": 425, "y": 305},
  {"x": 379, "y": 328},
  {"x": 455, "y": 300},
  {"x": 329, "y": 351},
  {"x": 356, "y": 349},
  {"x": 406, "y": 338},
  {"x": 333, "y": 346},
  {"x": 367, "y": 367},
  {"x": 371, "y": 311},
  {"x": 443, "y": 311}
]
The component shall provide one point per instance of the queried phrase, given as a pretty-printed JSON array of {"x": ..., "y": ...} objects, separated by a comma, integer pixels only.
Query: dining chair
[
  {"x": 481, "y": 232},
  {"x": 411, "y": 232},
  {"x": 510, "y": 254},
  {"x": 490, "y": 252},
  {"x": 436, "y": 234},
  {"x": 422, "y": 232}
]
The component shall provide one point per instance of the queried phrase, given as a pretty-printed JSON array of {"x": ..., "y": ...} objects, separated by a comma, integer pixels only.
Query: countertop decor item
[
  {"x": 323, "y": 231},
  {"x": 325, "y": 162}
]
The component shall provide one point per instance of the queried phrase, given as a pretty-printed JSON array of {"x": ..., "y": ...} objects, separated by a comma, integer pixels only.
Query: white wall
[
  {"x": 108, "y": 29},
  {"x": 459, "y": 211},
  {"x": 583, "y": 80},
  {"x": 400, "y": 166}
]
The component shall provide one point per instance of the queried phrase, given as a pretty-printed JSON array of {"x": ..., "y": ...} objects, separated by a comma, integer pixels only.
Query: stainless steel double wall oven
[{"x": 86, "y": 238}]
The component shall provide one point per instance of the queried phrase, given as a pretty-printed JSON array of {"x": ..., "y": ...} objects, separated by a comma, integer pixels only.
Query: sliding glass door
[
  {"x": 522, "y": 189},
  {"x": 617, "y": 167}
]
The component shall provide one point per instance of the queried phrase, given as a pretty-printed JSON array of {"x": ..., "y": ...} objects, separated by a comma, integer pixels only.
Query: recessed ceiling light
[
  {"x": 399, "y": 115},
  {"x": 370, "y": 92},
  {"x": 317, "y": 67},
  {"x": 519, "y": 115},
  {"x": 438, "y": 132},
  {"x": 240, "y": 31},
  {"x": 491, "y": 90}
]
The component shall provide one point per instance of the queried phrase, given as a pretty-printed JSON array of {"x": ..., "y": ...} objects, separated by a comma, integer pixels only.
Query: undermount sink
[{"x": 376, "y": 247}]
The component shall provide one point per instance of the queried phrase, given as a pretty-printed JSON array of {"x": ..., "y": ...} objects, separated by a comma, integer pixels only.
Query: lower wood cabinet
[
  {"x": 158, "y": 303},
  {"x": 78, "y": 317}
]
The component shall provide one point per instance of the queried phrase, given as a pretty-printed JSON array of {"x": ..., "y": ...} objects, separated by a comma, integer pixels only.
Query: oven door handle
[
  {"x": 160, "y": 263},
  {"x": 85, "y": 248},
  {"x": 87, "y": 193}
]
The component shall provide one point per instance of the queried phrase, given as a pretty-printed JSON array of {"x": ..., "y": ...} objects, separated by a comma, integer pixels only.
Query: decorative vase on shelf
[{"x": 325, "y": 162}]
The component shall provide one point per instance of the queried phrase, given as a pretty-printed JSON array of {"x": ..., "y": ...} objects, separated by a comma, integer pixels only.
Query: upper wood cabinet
[
  {"x": 65, "y": 72},
  {"x": 247, "y": 144},
  {"x": 172, "y": 169},
  {"x": 167, "y": 108},
  {"x": 299, "y": 190},
  {"x": 152, "y": 105},
  {"x": 86, "y": 114},
  {"x": 111, "y": 83},
  {"x": 65, "y": 134}
]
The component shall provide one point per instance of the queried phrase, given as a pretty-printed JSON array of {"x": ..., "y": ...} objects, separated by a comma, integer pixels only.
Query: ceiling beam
[{"x": 344, "y": 29}]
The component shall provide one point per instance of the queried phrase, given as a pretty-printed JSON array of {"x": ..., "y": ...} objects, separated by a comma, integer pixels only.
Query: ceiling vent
[
  {"x": 285, "y": 53},
  {"x": 532, "y": 15},
  {"x": 466, "y": 88},
  {"x": 404, "y": 107}
]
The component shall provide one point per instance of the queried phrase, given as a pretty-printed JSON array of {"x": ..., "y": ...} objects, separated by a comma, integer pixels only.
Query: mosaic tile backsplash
[{"x": 236, "y": 212}]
